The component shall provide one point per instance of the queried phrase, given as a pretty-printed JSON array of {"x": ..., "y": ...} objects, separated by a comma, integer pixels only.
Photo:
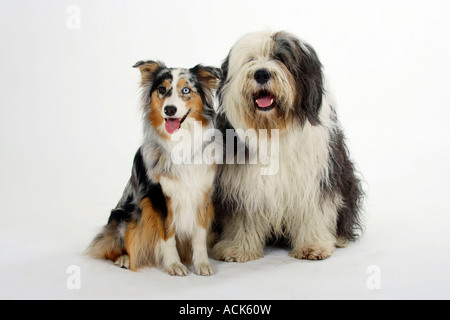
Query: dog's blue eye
[{"x": 186, "y": 90}]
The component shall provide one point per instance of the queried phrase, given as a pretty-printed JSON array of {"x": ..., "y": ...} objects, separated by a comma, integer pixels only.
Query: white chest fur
[
  {"x": 187, "y": 193},
  {"x": 294, "y": 190}
]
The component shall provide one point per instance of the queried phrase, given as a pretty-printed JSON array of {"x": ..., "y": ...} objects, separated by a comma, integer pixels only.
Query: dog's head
[
  {"x": 269, "y": 81},
  {"x": 172, "y": 97}
]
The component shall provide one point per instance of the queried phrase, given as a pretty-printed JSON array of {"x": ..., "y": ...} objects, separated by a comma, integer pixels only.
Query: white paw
[
  {"x": 232, "y": 252},
  {"x": 203, "y": 269},
  {"x": 177, "y": 269},
  {"x": 314, "y": 251},
  {"x": 123, "y": 261}
]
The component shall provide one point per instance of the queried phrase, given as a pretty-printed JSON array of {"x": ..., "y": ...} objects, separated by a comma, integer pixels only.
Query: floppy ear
[
  {"x": 209, "y": 80},
  {"x": 311, "y": 80},
  {"x": 209, "y": 77},
  {"x": 149, "y": 69},
  {"x": 303, "y": 63},
  {"x": 225, "y": 66},
  {"x": 221, "y": 89}
]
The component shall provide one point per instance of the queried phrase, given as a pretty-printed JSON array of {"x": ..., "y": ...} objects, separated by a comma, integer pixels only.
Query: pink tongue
[
  {"x": 172, "y": 125},
  {"x": 264, "y": 102}
]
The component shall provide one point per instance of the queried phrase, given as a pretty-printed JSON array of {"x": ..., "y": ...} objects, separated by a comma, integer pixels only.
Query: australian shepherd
[{"x": 165, "y": 211}]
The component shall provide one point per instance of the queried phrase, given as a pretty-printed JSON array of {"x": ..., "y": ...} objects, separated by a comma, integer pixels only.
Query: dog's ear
[
  {"x": 225, "y": 66},
  {"x": 149, "y": 69},
  {"x": 208, "y": 77},
  {"x": 311, "y": 80},
  {"x": 304, "y": 65}
]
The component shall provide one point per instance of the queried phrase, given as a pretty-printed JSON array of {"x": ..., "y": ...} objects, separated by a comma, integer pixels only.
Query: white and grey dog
[{"x": 274, "y": 81}]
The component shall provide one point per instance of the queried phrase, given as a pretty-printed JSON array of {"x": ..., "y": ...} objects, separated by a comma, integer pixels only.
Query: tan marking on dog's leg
[
  {"x": 205, "y": 214},
  {"x": 142, "y": 237},
  {"x": 169, "y": 228},
  {"x": 205, "y": 217}
]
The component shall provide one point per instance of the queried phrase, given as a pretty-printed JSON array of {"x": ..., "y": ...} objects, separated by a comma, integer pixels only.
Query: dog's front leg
[
  {"x": 242, "y": 240},
  {"x": 200, "y": 259},
  {"x": 313, "y": 236},
  {"x": 171, "y": 259}
]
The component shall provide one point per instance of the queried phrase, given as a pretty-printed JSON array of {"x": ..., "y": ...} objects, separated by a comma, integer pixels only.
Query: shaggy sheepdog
[{"x": 273, "y": 88}]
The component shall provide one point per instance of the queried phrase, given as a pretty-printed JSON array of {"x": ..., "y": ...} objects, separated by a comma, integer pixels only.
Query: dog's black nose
[
  {"x": 262, "y": 76},
  {"x": 170, "y": 110}
]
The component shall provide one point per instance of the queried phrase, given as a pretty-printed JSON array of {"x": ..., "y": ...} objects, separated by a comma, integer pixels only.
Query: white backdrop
[{"x": 70, "y": 124}]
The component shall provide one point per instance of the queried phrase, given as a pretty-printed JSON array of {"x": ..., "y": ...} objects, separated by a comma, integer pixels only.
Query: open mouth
[
  {"x": 173, "y": 124},
  {"x": 264, "y": 101}
]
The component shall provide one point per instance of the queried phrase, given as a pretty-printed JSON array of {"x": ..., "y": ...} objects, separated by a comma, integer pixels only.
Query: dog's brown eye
[{"x": 162, "y": 90}]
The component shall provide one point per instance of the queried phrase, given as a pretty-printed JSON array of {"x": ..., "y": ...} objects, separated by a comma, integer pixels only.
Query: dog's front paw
[
  {"x": 314, "y": 251},
  {"x": 203, "y": 269},
  {"x": 123, "y": 261},
  {"x": 177, "y": 269},
  {"x": 231, "y": 252}
]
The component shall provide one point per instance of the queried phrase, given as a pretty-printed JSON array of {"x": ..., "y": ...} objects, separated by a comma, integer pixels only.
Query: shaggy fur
[{"x": 275, "y": 81}]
